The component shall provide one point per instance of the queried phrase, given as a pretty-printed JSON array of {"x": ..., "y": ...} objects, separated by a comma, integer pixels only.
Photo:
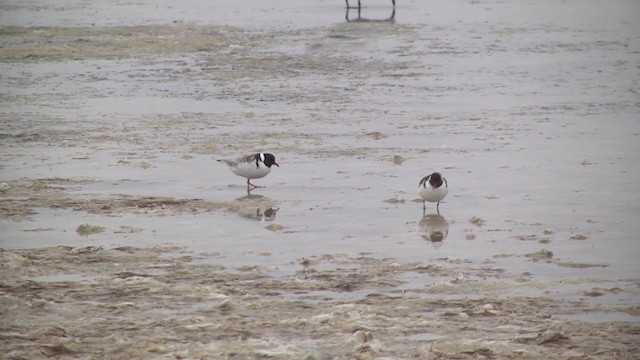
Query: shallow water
[{"x": 114, "y": 116}]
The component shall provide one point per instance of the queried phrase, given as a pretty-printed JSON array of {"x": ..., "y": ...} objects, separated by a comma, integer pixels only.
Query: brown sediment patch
[
  {"x": 575, "y": 265},
  {"x": 55, "y": 43},
  {"x": 21, "y": 197},
  {"x": 230, "y": 45},
  {"x": 275, "y": 227},
  {"x": 398, "y": 159},
  {"x": 533, "y": 237},
  {"x": 335, "y": 306},
  {"x": 578, "y": 237},
  {"x": 476, "y": 221},
  {"x": 38, "y": 229},
  {"x": 542, "y": 254},
  {"x": 25, "y": 196},
  {"x": 88, "y": 229},
  {"x": 376, "y": 135}
]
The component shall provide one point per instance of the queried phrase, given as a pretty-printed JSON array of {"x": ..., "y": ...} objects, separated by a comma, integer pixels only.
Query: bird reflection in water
[
  {"x": 390, "y": 19},
  {"x": 434, "y": 228},
  {"x": 256, "y": 207}
]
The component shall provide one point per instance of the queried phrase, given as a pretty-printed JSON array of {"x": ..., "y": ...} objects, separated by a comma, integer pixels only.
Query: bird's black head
[
  {"x": 435, "y": 180},
  {"x": 268, "y": 159}
]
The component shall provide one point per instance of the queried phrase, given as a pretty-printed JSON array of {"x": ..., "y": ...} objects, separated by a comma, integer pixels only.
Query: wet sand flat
[
  {"x": 131, "y": 302},
  {"x": 122, "y": 237}
]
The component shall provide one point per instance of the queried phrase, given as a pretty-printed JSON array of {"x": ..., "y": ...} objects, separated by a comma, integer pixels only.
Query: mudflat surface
[{"x": 122, "y": 237}]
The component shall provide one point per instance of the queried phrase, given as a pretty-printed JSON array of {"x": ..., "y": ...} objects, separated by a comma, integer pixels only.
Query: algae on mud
[
  {"x": 165, "y": 301},
  {"x": 115, "y": 121}
]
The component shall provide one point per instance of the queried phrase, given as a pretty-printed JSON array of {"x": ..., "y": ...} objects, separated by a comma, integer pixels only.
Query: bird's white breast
[
  {"x": 433, "y": 195},
  {"x": 250, "y": 170}
]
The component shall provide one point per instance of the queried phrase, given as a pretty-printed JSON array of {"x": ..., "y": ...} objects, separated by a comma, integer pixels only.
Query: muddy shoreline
[
  {"x": 121, "y": 237},
  {"x": 155, "y": 303},
  {"x": 168, "y": 301}
]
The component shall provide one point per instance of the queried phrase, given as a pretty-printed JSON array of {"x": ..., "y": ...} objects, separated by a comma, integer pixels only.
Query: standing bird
[
  {"x": 433, "y": 188},
  {"x": 253, "y": 166}
]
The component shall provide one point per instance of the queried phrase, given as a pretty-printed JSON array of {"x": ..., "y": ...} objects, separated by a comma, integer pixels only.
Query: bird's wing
[
  {"x": 424, "y": 181},
  {"x": 227, "y": 161},
  {"x": 247, "y": 158},
  {"x": 243, "y": 159}
]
